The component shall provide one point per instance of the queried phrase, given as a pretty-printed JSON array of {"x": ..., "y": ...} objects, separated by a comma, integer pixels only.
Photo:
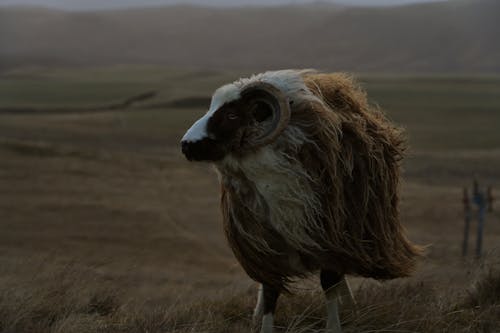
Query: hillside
[{"x": 459, "y": 36}]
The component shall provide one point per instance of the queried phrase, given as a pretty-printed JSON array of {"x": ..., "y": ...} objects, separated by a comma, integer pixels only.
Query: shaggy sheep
[{"x": 309, "y": 176}]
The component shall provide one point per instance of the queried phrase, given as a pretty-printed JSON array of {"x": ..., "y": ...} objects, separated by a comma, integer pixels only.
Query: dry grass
[
  {"x": 50, "y": 298},
  {"x": 37, "y": 297},
  {"x": 105, "y": 228}
]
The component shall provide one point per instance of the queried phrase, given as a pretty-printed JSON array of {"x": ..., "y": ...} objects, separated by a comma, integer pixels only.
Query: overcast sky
[{"x": 101, "y": 4}]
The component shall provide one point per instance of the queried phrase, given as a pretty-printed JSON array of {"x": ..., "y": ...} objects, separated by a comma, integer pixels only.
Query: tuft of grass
[
  {"x": 485, "y": 292},
  {"x": 62, "y": 299}
]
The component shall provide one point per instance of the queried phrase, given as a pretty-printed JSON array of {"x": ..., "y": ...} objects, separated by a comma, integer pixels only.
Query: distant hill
[{"x": 456, "y": 36}]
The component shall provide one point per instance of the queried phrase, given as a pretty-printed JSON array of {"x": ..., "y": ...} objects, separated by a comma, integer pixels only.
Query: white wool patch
[
  {"x": 197, "y": 131},
  {"x": 223, "y": 95},
  {"x": 289, "y": 81},
  {"x": 287, "y": 189}
]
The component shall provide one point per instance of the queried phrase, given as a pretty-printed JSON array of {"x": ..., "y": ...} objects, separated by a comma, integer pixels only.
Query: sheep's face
[{"x": 238, "y": 121}]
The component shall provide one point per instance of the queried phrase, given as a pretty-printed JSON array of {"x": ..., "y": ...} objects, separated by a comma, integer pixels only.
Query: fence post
[
  {"x": 467, "y": 213},
  {"x": 490, "y": 199},
  {"x": 480, "y": 201},
  {"x": 484, "y": 201}
]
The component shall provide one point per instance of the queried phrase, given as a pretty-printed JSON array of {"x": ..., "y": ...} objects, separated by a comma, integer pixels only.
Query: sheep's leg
[
  {"x": 346, "y": 296},
  {"x": 336, "y": 288},
  {"x": 264, "y": 310}
]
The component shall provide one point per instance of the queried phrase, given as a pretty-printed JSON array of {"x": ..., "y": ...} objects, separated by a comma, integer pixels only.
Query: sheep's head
[{"x": 240, "y": 120}]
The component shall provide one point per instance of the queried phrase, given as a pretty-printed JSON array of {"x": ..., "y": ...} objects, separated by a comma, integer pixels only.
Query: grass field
[{"x": 106, "y": 228}]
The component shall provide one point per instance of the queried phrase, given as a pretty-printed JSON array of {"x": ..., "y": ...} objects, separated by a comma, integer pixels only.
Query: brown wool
[{"x": 349, "y": 167}]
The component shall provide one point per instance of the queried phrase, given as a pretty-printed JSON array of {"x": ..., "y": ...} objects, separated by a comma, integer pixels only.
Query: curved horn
[{"x": 278, "y": 103}]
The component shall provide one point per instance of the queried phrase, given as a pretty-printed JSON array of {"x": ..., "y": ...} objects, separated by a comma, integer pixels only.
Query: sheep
[{"x": 309, "y": 175}]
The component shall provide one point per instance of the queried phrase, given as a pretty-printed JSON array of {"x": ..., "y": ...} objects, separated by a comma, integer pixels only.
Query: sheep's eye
[{"x": 232, "y": 116}]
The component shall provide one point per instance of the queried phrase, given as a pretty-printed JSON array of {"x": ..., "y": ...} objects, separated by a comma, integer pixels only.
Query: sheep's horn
[{"x": 278, "y": 103}]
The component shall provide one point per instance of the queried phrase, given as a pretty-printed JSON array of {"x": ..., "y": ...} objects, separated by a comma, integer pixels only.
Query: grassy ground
[{"x": 105, "y": 227}]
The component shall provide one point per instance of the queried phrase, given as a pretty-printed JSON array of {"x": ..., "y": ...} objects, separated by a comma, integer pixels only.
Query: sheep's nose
[
  {"x": 186, "y": 148},
  {"x": 202, "y": 150}
]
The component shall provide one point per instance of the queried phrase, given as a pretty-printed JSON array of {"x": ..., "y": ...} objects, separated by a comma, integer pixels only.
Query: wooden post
[
  {"x": 467, "y": 213},
  {"x": 484, "y": 202},
  {"x": 490, "y": 199},
  {"x": 480, "y": 225},
  {"x": 480, "y": 201},
  {"x": 475, "y": 189}
]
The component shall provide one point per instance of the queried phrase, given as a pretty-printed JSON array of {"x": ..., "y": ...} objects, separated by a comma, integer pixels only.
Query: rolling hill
[{"x": 456, "y": 36}]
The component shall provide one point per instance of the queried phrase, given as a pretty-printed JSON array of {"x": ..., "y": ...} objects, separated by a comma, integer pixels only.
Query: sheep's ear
[{"x": 269, "y": 107}]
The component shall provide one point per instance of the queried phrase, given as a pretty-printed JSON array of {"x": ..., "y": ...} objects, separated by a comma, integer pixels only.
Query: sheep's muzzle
[{"x": 203, "y": 150}]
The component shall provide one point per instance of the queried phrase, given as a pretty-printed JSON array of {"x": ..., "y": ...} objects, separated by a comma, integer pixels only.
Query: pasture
[{"x": 104, "y": 227}]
